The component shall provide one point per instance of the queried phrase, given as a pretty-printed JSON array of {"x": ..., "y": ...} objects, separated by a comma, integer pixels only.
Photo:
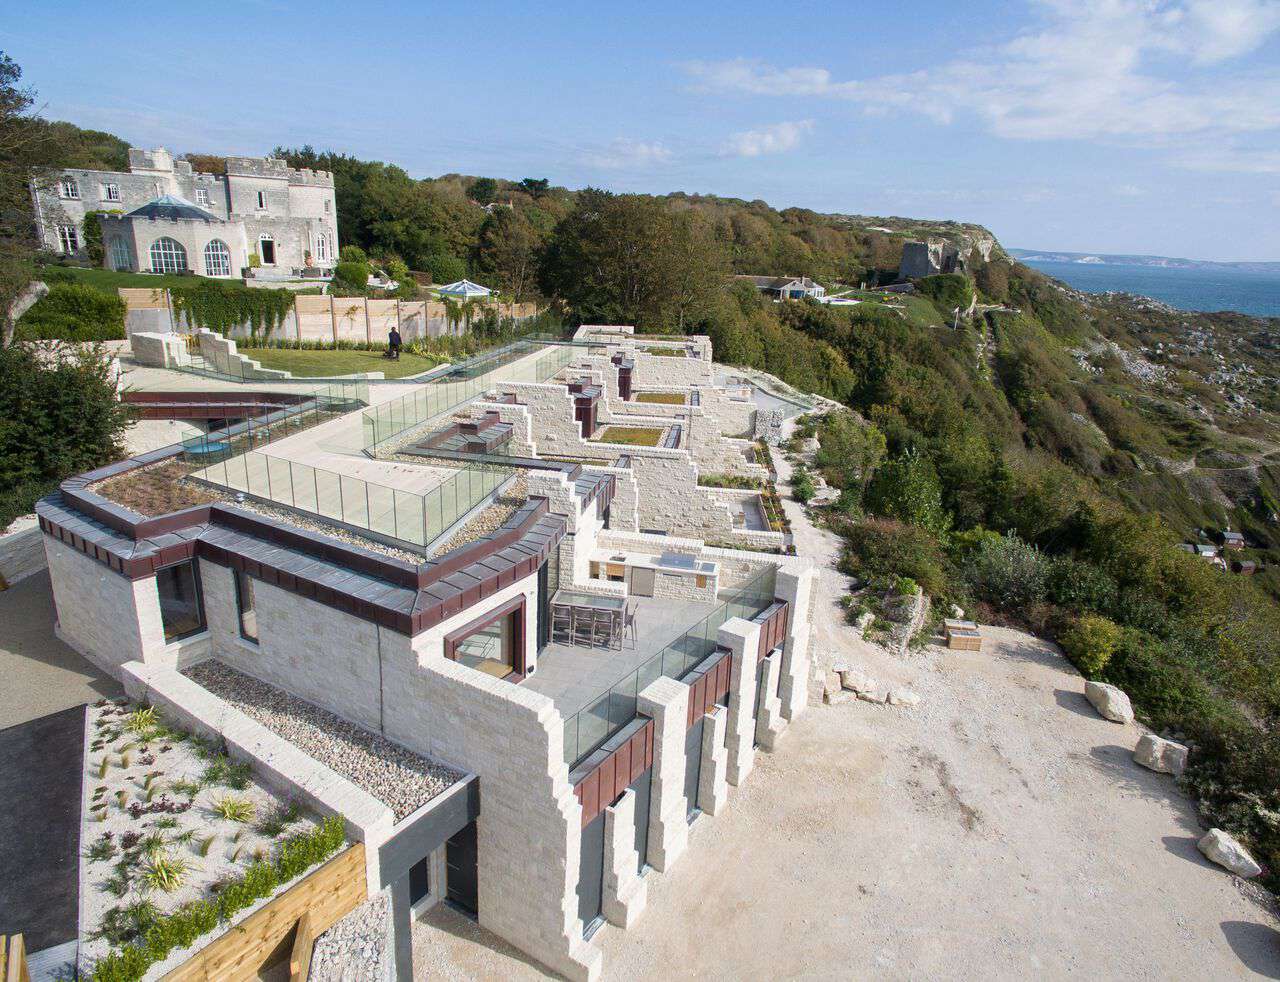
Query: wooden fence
[
  {"x": 13, "y": 959},
  {"x": 327, "y": 318},
  {"x": 286, "y": 928}
]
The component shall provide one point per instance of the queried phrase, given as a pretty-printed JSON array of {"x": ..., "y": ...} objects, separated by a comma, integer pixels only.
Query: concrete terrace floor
[{"x": 574, "y": 675}]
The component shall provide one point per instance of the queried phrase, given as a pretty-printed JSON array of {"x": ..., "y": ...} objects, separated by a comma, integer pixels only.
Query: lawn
[
  {"x": 110, "y": 280},
  {"x": 632, "y": 436},
  {"x": 306, "y": 363},
  {"x": 666, "y": 352},
  {"x": 662, "y": 398}
]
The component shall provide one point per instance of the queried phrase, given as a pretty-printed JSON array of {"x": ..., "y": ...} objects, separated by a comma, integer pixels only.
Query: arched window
[
  {"x": 168, "y": 256},
  {"x": 217, "y": 258},
  {"x": 322, "y": 247},
  {"x": 119, "y": 254}
]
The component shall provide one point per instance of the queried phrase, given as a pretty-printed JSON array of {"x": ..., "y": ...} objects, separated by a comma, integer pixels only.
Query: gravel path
[
  {"x": 398, "y": 778},
  {"x": 356, "y": 948}
]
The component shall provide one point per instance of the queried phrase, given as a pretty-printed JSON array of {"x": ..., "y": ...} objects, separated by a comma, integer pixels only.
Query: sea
[{"x": 1197, "y": 288}]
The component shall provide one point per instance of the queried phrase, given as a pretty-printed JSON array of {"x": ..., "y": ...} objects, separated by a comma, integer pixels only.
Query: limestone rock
[
  {"x": 831, "y": 683},
  {"x": 838, "y": 698},
  {"x": 904, "y": 697},
  {"x": 957, "y": 613},
  {"x": 1110, "y": 702},
  {"x": 1161, "y": 755},
  {"x": 856, "y": 681},
  {"x": 1222, "y": 848},
  {"x": 878, "y": 696}
]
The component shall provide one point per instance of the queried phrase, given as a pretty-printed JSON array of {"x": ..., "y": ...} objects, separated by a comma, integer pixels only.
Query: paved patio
[{"x": 573, "y": 676}]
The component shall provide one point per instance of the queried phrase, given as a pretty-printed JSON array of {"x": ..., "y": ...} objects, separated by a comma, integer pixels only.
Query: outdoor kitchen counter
[{"x": 672, "y": 576}]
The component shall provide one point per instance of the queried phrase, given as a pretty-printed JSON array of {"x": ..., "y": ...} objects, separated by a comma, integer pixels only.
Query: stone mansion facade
[{"x": 164, "y": 217}]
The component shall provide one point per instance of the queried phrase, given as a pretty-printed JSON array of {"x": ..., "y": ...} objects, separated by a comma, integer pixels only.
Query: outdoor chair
[
  {"x": 602, "y": 629},
  {"x": 629, "y": 623},
  {"x": 561, "y": 623}
]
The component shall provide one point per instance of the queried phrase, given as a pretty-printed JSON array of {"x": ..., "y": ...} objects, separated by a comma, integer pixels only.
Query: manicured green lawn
[
  {"x": 666, "y": 352},
  {"x": 317, "y": 364},
  {"x": 633, "y": 436},
  {"x": 662, "y": 398},
  {"x": 108, "y": 280}
]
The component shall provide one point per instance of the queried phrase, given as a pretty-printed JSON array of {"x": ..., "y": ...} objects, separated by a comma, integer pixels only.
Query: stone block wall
[{"x": 21, "y": 551}]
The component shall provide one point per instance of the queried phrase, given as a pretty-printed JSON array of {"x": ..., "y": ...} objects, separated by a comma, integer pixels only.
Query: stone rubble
[
  {"x": 356, "y": 949},
  {"x": 398, "y": 778},
  {"x": 1110, "y": 702},
  {"x": 1158, "y": 754},
  {"x": 1222, "y": 848}
]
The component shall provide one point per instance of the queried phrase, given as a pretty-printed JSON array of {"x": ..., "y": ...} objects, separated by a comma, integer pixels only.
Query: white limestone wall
[
  {"x": 21, "y": 551},
  {"x": 521, "y": 425},
  {"x": 103, "y": 615},
  {"x": 528, "y": 831},
  {"x": 222, "y": 355},
  {"x": 659, "y": 370},
  {"x": 320, "y": 654},
  {"x": 158, "y": 349}
]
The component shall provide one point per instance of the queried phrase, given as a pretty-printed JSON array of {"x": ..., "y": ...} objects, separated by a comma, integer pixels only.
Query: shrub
[
  {"x": 1090, "y": 642},
  {"x": 73, "y": 312},
  {"x": 445, "y": 268},
  {"x": 947, "y": 291},
  {"x": 1079, "y": 585},
  {"x": 878, "y": 547},
  {"x": 350, "y": 279},
  {"x": 907, "y": 488},
  {"x": 802, "y": 488},
  {"x": 164, "y": 872},
  {"x": 234, "y": 809},
  {"x": 1007, "y": 573},
  {"x": 905, "y": 586}
]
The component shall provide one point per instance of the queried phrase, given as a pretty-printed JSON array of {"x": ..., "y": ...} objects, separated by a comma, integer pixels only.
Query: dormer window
[
  {"x": 68, "y": 188},
  {"x": 262, "y": 201}
]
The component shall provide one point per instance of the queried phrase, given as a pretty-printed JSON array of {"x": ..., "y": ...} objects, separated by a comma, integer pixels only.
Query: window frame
[
  {"x": 262, "y": 253},
  {"x": 181, "y": 251},
  {"x": 519, "y": 660},
  {"x": 202, "y": 196},
  {"x": 262, "y": 201},
  {"x": 117, "y": 250},
  {"x": 203, "y": 624},
  {"x": 110, "y": 192},
  {"x": 69, "y": 189},
  {"x": 223, "y": 255},
  {"x": 69, "y": 239},
  {"x": 243, "y": 580}
]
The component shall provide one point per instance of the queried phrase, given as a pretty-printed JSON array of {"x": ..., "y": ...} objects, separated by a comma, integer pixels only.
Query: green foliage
[
  {"x": 221, "y": 306},
  {"x": 1089, "y": 642},
  {"x": 802, "y": 488},
  {"x": 907, "y": 488},
  {"x": 1007, "y": 573},
  {"x": 161, "y": 934},
  {"x": 445, "y": 268},
  {"x": 350, "y": 279},
  {"x": 947, "y": 291},
  {"x": 905, "y": 586},
  {"x": 1079, "y": 585},
  {"x": 223, "y": 770},
  {"x": 91, "y": 229},
  {"x": 881, "y": 549},
  {"x": 353, "y": 254},
  {"x": 103, "y": 848},
  {"x": 58, "y": 416},
  {"x": 72, "y": 312},
  {"x": 484, "y": 190},
  {"x": 142, "y": 720},
  {"x": 164, "y": 872},
  {"x": 233, "y": 809},
  {"x": 848, "y": 452}
]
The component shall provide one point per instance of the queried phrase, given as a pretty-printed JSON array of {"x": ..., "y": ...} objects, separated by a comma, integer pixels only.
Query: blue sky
[{"x": 1147, "y": 126}]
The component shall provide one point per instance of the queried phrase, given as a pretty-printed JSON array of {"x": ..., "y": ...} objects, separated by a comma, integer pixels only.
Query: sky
[{"x": 1112, "y": 126}]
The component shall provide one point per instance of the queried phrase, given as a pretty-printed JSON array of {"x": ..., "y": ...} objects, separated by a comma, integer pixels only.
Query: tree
[
  {"x": 29, "y": 149},
  {"x": 907, "y": 488},
  {"x": 535, "y": 187},
  {"x": 206, "y": 163},
  {"x": 849, "y": 451},
  {"x": 508, "y": 252},
  {"x": 445, "y": 268},
  {"x": 483, "y": 190}
]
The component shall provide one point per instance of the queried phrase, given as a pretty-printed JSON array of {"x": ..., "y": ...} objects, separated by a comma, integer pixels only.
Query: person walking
[{"x": 393, "y": 344}]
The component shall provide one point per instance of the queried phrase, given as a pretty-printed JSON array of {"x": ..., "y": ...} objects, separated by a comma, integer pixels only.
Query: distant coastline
[{"x": 1187, "y": 284}]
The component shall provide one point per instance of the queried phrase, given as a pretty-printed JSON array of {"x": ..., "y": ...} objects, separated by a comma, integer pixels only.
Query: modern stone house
[
  {"x": 162, "y": 216},
  {"x": 474, "y": 583},
  {"x": 785, "y": 287}
]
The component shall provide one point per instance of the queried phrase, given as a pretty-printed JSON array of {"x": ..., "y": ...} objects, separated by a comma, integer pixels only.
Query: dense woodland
[{"x": 1013, "y": 460}]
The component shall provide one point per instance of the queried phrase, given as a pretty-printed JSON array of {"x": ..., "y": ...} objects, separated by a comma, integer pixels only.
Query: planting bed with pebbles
[
  {"x": 168, "y": 819},
  {"x": 399, "y": 778},
  {"x": 356, "y": 949}
]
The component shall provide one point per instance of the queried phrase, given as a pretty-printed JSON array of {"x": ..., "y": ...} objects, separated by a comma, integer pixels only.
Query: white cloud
[
  {"x": 778, "y": 138},
  {"x": 627, "y": 154},
  {"x": 1139, "y": 72}
]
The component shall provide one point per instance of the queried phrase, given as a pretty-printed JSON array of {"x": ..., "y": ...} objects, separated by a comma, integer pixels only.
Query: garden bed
[
  {"x": 666, "y": 352},
  {"x": 399, "y": 778},
  {"x": 631, "y": 436},
  {"x": 177, "y": 840},
  {"x": 662, "y": 398},
  {"x": 156, "y": 490}
]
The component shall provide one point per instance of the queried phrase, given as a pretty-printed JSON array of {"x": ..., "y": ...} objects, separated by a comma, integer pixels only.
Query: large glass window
[
  {"x": 491, "y": 646},
  {"x": 217, "y": 258},
  {"x": 181, "y": 606},
  {"x": 168, "y": 256},
  {"x": 69, "y": 188},
  {"x": 119, "y": 252},
  {"x": 246, "y": 607},
  {"x": 69, "y": 239}
]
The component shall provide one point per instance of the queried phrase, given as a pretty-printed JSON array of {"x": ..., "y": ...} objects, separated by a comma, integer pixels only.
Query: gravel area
[
  {"x": 357, "y": 948},
  {"x": 491, "y": 518},
  {"x": 397, "y": 777}
]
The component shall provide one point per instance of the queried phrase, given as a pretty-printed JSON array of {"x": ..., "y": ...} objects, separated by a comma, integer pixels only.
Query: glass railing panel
[
  {"x": 355, "y": 502},
  {"x": 303, "y": 479},
  {"x": 279, "y": 480},
  {"x": 382, "y": 509},
  {"x": 328, "y": 494}
]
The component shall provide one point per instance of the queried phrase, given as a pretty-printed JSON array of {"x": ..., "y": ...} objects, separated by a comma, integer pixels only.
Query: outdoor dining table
[{"x": 591, "y": 602}]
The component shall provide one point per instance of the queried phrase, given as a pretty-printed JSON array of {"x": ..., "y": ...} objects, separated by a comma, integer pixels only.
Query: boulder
[
  {"x": 1222, "y": 848},
  {"x": 1110, "y": 702},
  {"x": 1161, "y": 755},
  {"x": 878, "y": 696},
  {"x": 838, "y": 698},
  {"x": 856, "y": 681},
  {"x": 904, "y": 697}
]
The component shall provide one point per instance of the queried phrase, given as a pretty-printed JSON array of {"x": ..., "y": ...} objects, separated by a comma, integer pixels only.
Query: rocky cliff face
[{"x": 969, "y": 241}]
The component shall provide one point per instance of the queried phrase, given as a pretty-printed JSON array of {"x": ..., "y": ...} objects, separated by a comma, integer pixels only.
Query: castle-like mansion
[{"x": 164, "y": 217}]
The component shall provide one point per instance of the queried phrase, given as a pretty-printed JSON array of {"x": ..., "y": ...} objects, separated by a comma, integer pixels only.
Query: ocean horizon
[{"x": 1196, "y": 288}]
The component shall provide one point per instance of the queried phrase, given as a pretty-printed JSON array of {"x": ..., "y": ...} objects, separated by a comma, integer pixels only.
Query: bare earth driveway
[{"x": 999, "y": 830}]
